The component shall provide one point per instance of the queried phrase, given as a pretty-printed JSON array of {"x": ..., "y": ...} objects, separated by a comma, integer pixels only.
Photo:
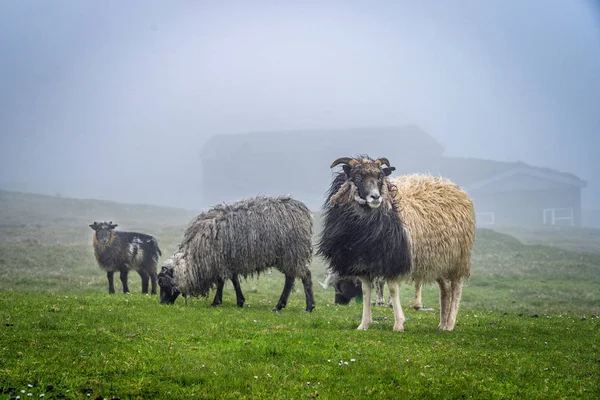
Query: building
[
  {"x": 297, "y": 163},
  {"x": 517, "y": 194}
]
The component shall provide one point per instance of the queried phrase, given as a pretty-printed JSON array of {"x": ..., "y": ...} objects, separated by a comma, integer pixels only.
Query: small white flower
[
  {"x": 42, "y": 395},
  {"x": 352, "y": 360},
  {"x": 308, "y": 383},
  {"x": 29, "y": 385},
  {"x": 23, "y": 391},
  {"x": 255, "y": 377},
  {"x": 254, "y": 320},
  {"x": 346, "y": 362}
]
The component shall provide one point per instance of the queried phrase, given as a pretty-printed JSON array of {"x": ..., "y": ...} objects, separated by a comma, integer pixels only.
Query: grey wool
[{"x": 243, "y": 238}]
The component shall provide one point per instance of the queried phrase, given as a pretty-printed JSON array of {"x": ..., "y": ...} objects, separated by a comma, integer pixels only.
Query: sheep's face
[
  {"x": 368, "y": 176},
  {"x": 166, "y": 282},
  {"x": 104, "y": 231}
]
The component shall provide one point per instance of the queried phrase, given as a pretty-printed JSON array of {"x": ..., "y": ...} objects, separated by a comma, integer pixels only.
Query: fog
[{"x": 114, "y": 100}]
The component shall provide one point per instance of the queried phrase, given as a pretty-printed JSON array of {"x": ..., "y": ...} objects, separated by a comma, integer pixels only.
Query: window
[{"x": 558, "y": 216}]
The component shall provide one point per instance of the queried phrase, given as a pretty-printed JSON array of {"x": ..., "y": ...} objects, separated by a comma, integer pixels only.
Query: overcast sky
[{"x": 113, "y": 99}]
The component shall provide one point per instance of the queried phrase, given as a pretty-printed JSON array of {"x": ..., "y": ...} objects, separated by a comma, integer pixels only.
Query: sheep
[
  {"x": 348, "y": 288},
  {"x": 122, "y": 251},
  {"x": 416, "y": 227},
  {"x": 244, "y": 238}
]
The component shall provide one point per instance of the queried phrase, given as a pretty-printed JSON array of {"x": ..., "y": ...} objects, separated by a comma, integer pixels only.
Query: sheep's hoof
[
  {"x": 362, "y": 327},
  {"x": 398, "y": 328},
  {"x": 445, "y": 328},
  {"x": 417, "y": 307}
]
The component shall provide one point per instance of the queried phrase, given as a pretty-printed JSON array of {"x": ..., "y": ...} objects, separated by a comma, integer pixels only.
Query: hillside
[
  {"x": 17, "y": 209},
  {"x": 45, "y": 245},
  {"x": 527, "y": 325}
]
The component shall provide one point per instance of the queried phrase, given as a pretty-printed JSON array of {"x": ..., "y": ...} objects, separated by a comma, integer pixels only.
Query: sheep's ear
[
  {"x": 94, "y": 225},
  {"x": 347, "y": 169},
  {"x": 388, "y": 171}
]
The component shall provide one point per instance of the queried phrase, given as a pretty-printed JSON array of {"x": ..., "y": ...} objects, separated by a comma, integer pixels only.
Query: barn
[
  {"x": 517, "y": 194},
  {"x": 297, "y": 163}
]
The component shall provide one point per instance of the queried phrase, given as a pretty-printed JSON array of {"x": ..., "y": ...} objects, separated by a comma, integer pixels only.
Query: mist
[{"x": 114, "y": 100}]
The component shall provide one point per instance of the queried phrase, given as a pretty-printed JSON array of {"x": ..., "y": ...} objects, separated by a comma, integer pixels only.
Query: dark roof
[
  {"x": 468, "y": 171},
  {"x": 339, "y": 141}
]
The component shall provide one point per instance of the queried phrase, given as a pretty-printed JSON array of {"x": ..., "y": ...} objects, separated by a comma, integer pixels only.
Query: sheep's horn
[
  {"x": 382, "y": 161},
  {"x": 344, "y": 160}
]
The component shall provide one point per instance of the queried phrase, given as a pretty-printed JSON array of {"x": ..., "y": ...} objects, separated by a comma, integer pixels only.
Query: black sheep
[{"x": 123, "y": 251}]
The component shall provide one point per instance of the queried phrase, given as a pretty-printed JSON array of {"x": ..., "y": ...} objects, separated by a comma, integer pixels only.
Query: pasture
[{"x": 528, "y": 324}]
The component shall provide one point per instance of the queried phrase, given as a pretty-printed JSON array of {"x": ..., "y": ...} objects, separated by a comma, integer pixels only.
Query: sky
[{"x": 113, "y": 100}]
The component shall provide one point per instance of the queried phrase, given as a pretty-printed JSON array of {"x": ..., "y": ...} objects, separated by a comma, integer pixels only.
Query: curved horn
[
  {"x": 382, "y": 161},
  {"x": 344, "y": 160}
]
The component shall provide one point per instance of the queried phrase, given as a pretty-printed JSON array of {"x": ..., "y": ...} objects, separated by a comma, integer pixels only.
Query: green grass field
[{"x": 528, "y": 326}]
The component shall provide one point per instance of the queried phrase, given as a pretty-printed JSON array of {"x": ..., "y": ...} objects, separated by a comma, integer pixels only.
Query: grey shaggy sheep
[
  {"x": 122, "y": 251},
  {"x": 242, "y": 239},
  {"x": 415, "y": 227}
]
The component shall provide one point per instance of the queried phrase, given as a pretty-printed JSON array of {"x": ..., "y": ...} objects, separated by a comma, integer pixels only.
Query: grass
[{"x": 527, "y": 328}]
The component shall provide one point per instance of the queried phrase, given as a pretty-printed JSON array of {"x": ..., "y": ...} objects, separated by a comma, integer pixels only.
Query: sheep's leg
[
  {"x": 145, "y": 279},
  {"x": 394, "y": 287},
  {"x": 111, "y": 283},
  {"x": 418, "y": 303},
  {"x": 153, "y": 277},
  {"x": 379, "y": 295},
  {"x": 287, "y": 288},
  {"x": 308, "y": 291},
  {"x": 239, "y": 296},
  {"x": 455, "y": 301},
  {"x": 219, "y": 295},
  {"x": 123, "y": 276},
  {"x": 366, "y": 314},
  {"x": 445, "y": 299}
]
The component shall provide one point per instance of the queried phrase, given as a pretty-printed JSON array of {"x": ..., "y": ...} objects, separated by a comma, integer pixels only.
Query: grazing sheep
[
  {"x": 242, "y": 239},
  {"x": 123, "y": 251},
  {"x": 348, "y": 288},
  {"x": 415, "y": 227}
]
